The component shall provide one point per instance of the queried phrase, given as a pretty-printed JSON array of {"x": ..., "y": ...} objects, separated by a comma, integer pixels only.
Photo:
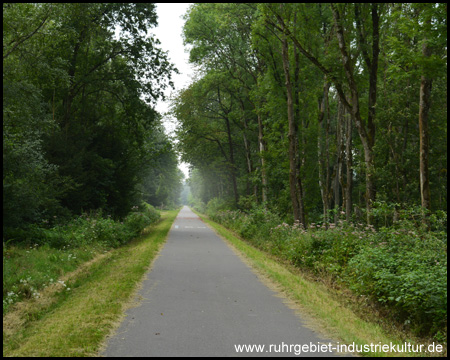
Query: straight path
[{"x": 200, "y": 299}]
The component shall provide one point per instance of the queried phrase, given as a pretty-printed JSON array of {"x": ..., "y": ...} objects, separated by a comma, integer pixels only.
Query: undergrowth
[
  {"x": 38, "y": 255},
  {"x": 402, "y": 268}
]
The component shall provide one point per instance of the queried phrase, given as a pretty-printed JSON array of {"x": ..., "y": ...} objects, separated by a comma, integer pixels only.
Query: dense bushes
[
  {"x": 88, "y": 229},
  {"x": 403, "y": 267},
  {"x": 406, "y": 269},
  {"x": 44, "y": 253}
]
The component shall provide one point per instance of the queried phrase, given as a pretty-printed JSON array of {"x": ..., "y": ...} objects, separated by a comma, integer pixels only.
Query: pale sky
[{"x": 169, "y": 30}]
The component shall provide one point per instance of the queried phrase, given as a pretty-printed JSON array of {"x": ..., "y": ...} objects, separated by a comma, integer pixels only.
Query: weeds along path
[
  {"x": 24, "y": 311},
  {"x": 200, "y": 299},
  {"x": 76, "y": 322}
]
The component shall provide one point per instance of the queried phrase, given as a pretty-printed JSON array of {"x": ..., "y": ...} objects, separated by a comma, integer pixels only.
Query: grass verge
[
  {"x": 328, "y": 314},
  {"x": 76, "y": 322}
]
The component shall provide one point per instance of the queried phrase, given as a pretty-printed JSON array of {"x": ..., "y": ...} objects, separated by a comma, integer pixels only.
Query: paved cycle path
[{"x": 200, "y": 299}]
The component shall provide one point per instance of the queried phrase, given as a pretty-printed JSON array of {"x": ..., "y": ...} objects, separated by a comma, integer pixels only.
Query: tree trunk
[
  {"x": 323, "y": 165},
  {"x": 349, "y": 165},
  {"x": 262, "y": 149},
  {"x": 291, "y": 136},
  {"x": 366, "y": 138},
  {"x": 339, "y": 160},
  {"x": 232, "y": 165},
  {"x": 424, "y": 108},
  {"x": 248, "y": 155}
]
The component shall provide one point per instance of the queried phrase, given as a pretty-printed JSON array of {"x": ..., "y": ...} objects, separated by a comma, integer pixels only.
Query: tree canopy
[
  {"x": 313, "y": 109},
  {"x": 80, "y": 132}
]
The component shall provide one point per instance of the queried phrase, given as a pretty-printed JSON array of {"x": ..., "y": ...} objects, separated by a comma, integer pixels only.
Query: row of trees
[
  {"x": 79, "y": 129},
  {"x": 313, "y": 107}
]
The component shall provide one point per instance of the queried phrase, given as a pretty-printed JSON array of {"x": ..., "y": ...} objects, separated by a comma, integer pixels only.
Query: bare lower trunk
[
  {"x": 262, "y": 149},
  {"x": 424, "y": 108},
  {"x": 323, "y": 165},
  {"x": 367, "y": 138},
  {"x": 291, "y": 135},
  {"x": 294, "y": 179},
  {"x": 349, "y": 165}
]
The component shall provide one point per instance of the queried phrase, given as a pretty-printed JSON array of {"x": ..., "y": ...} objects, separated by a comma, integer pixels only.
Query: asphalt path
[{"x": 200, "y": 299}]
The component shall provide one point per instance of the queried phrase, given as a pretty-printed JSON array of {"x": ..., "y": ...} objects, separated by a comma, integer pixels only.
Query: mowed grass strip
[
  {"x": 76, "y": 322},
  {"x": 327, "y": 315}
]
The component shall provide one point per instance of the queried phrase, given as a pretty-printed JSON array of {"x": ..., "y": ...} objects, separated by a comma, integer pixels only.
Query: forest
[
  {"x": 310, "y": 108},
  {"x": 86, "y": 159},
  {"x": 79, "y": 129},
  {"x": 319, "y": 133},
  {"x": 316, "y": 131}
]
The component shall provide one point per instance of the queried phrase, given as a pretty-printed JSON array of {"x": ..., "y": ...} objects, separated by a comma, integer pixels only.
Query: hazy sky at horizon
[{"x": 169, "y": 33}]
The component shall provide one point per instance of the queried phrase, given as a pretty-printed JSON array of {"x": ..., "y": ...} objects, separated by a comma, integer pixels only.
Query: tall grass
[
  {"x": 74, "y": 316},
  {"x": 41, "y": 255}
]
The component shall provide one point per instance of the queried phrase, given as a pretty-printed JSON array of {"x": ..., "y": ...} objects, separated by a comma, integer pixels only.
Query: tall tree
[
  {"x": 294, "y": 178},
  {"x": 364, "y": 62},
  {"x": 80, "y": 99}
]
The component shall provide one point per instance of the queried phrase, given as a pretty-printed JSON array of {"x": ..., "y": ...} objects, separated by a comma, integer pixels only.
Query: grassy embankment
[
  {"x": 73, "y": 315},
  {"x": 328, "y": 313}
]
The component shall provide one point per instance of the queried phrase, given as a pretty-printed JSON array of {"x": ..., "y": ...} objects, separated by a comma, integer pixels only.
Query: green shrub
[
  {"x": 137, "y": 220},
  {"x": 403, "y": 267},
  {"x": 217, "y": 204},
  {"x": 149, "y": 211},
  {"x": 135, "y": 223},
  {"x": 43, "y": 252},
  {"x": 198, "y": 205},
  {"x": 90, "y": 229},
  {"x": 406, "y": 269}
]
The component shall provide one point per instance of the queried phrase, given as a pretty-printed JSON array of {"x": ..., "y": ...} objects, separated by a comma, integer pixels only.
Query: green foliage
[
  {"x": 29, "y": 269},
  {"x": 217, "y": 204},
  {"x": 135, "y": 222},
  {"x": 198, "y": 205},
  {"x": 406, "y": 269},
  {"x": 403, "y": 267},
  {"x": 41, "y": 254},
  {"x": 80, "y": 132},
  {"x": 88, "y": 229},
  {"x": 238, "y": 49}
]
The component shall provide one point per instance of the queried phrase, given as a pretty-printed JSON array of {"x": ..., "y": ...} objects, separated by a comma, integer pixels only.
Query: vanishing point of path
[{"x": 200, "y": 299}]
